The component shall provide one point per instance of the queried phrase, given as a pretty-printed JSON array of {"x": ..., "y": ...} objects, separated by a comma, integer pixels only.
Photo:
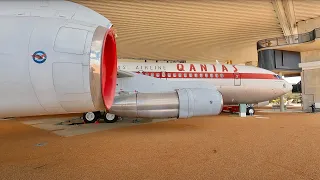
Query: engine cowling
[
  {"x": 182, "y": 103},
  {"x": 55, "y": 66}
]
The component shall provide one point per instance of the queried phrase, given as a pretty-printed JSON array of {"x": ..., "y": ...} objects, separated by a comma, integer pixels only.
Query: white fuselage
[{"x": 236, "y": 83}]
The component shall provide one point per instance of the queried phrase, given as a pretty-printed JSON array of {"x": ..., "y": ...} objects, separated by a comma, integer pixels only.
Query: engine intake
[{"x": 183, "y": 103}]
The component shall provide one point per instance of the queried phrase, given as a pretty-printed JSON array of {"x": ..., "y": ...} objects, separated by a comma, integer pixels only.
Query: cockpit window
[{"x": 277, "y": 76}]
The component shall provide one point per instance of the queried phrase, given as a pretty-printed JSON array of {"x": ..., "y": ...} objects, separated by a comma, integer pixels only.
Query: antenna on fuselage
[{"x": 217, "y": 62}]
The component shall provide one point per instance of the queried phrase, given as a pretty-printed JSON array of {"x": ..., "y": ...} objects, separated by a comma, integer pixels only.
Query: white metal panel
[
  {"x": 86, "y": 78},
  {"x": 87, "y": 47},
  {"x": 42, "y": 12},
  {"x": 70, "y": 40},
  {"x": 199, "y": 102},
  {"x": 64, "y": 14},
  {"x": 68, "y": 78},
  {"x": 205, "y": 101},
  {"x": 16, "y": 92},
  {"x": 184, "y": 104},
  {"x": 42, "y": 39},
  {"x": 77, "y": 105}
]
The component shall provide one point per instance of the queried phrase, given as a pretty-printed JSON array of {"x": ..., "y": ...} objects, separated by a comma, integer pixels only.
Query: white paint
[
  {"x": 243, "y": 114},
  {"x": 62, "y": 83}
]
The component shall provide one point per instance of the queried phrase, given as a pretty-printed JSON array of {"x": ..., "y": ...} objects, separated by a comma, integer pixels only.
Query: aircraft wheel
[
  {"x": 110, "y": 118},
  {"x": 250, "y": 110},
  {"x": 91, "y": 117}
]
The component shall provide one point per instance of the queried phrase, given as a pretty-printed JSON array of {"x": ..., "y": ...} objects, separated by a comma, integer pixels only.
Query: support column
[
  {"x": 310, "y": 79},
  {"x": 282, "y": 103},
  {"x": 242, "y": 110},
  {"x": 281, "y": 99}
]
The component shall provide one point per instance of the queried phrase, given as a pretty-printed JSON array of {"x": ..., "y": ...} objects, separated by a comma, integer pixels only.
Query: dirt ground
[{"x": 277, "y": 146}]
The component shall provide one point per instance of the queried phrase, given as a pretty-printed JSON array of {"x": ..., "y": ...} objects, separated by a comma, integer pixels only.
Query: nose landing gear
[{"x": 250, "y": 110}]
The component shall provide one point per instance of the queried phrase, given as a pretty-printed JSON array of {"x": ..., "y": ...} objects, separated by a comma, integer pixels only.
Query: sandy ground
[{"x": 278, "y": 146}]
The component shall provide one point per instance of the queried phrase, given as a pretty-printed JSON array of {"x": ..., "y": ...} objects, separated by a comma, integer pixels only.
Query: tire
[
  {"x": 91, "y": 117},
  {"x": 110, "y": 118},
  {"x": 250, "y": 109}
]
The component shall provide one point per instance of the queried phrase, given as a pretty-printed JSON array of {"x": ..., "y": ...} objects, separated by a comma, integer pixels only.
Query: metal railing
[{"x": 289, "y": 40}]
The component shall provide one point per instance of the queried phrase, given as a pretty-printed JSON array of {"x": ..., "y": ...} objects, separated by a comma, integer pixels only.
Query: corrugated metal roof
[
  {"x": 188, "y": 30},
  {"x": 306, "y": 9}
]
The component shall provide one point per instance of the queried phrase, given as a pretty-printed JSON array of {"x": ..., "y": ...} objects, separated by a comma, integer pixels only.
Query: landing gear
[
  {"x": 250, "y": 110},
  {"x": 91, "y": 117},
  {"x": 110, "y": 118}
]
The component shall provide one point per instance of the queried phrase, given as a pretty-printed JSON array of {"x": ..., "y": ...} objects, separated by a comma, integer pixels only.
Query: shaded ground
[{"x": 274, "y": 146}]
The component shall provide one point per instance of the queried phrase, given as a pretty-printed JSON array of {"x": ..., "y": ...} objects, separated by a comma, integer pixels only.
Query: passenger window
[
  {"x": 221, "y": 75},
  {"x": 201, "y": 75},
  {"x": 174, "y": 75},
  {"x": 152, "y": 74},
  {"x": 169, "y": 74},
  {"x": 217, "y": 75},
  {"x": 196, "y": 75},
  {"x": 180, "y": 75},
  {"x": 185, "y": 75},
  {"x": 211, "y": 75},
  {"x": 206, "y": 75},
  {"x": 157, "y": 74}
]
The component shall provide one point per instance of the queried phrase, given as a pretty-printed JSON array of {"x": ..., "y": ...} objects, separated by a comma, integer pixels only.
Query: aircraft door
[{"x": 237, "y": 79}]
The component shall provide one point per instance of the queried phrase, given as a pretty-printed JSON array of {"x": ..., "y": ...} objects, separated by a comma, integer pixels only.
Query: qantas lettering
[{"x": 204, "y": 68}]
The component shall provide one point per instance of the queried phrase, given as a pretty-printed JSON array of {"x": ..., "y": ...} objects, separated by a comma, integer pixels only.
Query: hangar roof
[{"x": 199, "y": 30}]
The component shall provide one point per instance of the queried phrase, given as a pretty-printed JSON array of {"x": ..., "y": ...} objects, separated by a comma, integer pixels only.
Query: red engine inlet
[{"x": 109, "y": 69}]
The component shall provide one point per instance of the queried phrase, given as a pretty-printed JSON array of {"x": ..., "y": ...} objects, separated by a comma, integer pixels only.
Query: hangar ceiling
[
  {"x": 199, "y": 30},
  {"x": 306, "y": 9}
]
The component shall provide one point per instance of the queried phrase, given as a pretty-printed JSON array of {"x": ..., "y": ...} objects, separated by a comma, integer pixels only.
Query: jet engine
[
  {"x": 182, "y": 103},
  {"x": 54, "y": 64}
]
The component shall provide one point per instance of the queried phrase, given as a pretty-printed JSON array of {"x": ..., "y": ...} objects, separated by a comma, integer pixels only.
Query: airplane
[
  {"x": 140, "y": 92},
  {"x": 60, "y": 57}
]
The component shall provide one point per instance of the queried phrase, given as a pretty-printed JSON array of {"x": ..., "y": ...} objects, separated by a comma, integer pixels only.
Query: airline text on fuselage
[{"x": 181, "y": 68}]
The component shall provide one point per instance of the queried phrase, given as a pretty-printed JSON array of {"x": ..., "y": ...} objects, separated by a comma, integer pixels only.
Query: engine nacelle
[
  {"x": 183, "y": 103},
  {"x": 55, "y": 65}
]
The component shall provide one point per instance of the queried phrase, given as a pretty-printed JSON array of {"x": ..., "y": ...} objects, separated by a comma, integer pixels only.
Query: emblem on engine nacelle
[{"x": 39, "y": 57}]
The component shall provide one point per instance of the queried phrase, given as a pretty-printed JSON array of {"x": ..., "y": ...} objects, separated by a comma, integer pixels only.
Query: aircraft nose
[{"x": 287, "y": 87}]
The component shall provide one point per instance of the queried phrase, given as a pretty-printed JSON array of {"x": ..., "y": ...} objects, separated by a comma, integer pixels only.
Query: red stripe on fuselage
[{"x": 206, "y": 75}]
